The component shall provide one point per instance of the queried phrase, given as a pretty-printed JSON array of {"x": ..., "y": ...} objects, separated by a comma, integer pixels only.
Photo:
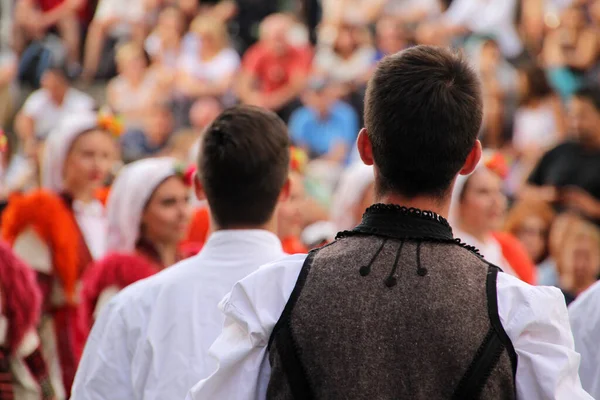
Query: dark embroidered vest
[{"x": 395, "y": 309}]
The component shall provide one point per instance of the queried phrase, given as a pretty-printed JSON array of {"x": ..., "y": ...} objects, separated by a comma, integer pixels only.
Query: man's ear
[
  {"x": 285, "y": 190},
  {"x": 365, "y": 150},
  {"x": 198, "y": 188},
  {"x": 472, "y": 159}
]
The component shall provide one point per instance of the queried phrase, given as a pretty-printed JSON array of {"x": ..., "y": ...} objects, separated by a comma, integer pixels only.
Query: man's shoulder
[
  {"x": 144, "y": 292},
  {"x": 80, "y": 99},
  {"x": 589, "y": 298}
]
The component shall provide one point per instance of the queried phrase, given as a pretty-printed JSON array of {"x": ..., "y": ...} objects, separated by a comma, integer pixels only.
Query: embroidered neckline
[{"x": 404, "y": 223}]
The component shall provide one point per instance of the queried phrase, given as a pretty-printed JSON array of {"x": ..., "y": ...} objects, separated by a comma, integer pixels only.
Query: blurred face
[
  {"x": 483, "y": 204},
  {"x": 274, "y": 35},
  {"x": 584, "y": 261},
  {"x": 584, "y": 121},
  {"x": 54, "y": 83},
  {"x": 290, "y": 211},
  {"x": 159, "y": 124},
  {"x": 389, "y": 38},
  {"x": 89, "y": 161},
  {"x": 345, "y": 42},
  {"x": 203, "y": 113},
  {"x": 320, "y": 101},
  {"x": 533, "y": 234},
  {"x": 133, "y": 66},
  {"x": 167, "y": 215}
]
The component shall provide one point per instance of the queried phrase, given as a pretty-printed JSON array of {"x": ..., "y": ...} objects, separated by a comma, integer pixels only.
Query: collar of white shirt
[{"x": 220, "y": 244}]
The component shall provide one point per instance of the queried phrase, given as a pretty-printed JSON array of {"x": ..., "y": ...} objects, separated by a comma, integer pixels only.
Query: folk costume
[
  {"x": 58, "y": 237},
  {"x": 395, "y": 308},
  {"x": 153, "y": 337},
  {"x": 500, "y": 248},
  {"x": 131, "y": 257},
  {"x": 23, "y": 370}
]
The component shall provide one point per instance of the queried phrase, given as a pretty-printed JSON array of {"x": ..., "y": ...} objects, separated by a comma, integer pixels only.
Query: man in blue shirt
[{"x": 325, "y": 127}]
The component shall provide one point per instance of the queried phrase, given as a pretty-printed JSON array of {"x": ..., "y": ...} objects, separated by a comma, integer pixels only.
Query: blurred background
[{"x": 163, "y": 69}]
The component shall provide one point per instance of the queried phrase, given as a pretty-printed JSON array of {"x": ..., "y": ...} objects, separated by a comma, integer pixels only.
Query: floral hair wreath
[
  {"x": 496, "y": 163},
  {"x": 108, "y": 121},
  {"x": 186, "y": 173},
  {"x": 298, "y": 159}
]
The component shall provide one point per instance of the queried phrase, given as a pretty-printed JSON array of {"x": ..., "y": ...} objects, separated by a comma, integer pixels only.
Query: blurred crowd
[{"x": 157, "y": 72}]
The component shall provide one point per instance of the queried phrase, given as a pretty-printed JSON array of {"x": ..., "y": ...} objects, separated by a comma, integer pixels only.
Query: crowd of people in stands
[{"x": 103, "y": 104}]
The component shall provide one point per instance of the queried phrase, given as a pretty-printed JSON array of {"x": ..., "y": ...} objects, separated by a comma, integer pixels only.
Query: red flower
[{"x": 188, "y": 175}]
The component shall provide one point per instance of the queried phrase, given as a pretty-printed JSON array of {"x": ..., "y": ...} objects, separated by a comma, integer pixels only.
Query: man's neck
[
  {"x": 59, "y": 97},
  {"x": 440, "y": 207},
  {"x": 270, "y": 226}
]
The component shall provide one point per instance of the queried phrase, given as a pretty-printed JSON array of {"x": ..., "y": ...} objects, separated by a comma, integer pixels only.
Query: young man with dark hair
[
  {"x": 397, "y": 307},
  {"x": 568, "y": 175},
  {"x": 152, "y": 340}
]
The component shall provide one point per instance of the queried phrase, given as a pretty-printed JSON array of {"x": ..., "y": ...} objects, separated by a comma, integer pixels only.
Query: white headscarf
[
  {"x": 59, "y": 142},
  {"x": 350, "y": 191},
  {"x": 130, "y": 193}
]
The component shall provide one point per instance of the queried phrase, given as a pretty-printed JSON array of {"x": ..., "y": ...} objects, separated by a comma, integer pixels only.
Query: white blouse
[{"x": 91, "y": 218}]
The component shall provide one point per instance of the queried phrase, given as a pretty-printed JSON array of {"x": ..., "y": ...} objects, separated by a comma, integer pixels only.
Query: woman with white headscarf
[
  {"x": 353, "y": 195},
  {"x": 477, "y": 214},
  {"x": 59, "y": 230},
  {"x": 148, "y": 216}
]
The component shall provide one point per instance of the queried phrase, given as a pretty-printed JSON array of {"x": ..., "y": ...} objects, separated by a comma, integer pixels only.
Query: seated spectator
[
  {"x": 567, "y": 176},
  {"x": 153, "y": 138},
  {"x": 116, "y": 19},
  {"x": 164, "y": 44},
  {"x": 324, "y": 127},
  {"x": 348, "y": 62},
  {"x": 578, "y": 261},
  {"x": 131, "y": 93},
  {"x": 211, "y": 71},
  {"x": 390, "y": 37},
  {"x": 202, "y": 114},
  {"x": 481, "y": 17},
  {"x": 273, "y": 72},
  {"x": 570, "y": 50},
  {"x": 539, "y": 124},
  {"x": 35, "y": 18},
  {"x": 44, "y": 108},
  {"x": 530, "y": 222}
]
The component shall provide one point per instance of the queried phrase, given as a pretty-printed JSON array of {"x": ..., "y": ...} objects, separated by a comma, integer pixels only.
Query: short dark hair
[
  {"x": 591, "y": 93},
  {"x": 243, "y": 164},
  {"x": 423, "y": 112}
]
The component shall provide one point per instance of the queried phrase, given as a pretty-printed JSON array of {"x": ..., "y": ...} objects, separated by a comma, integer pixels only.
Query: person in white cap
[
  {"x": 148, "y": 216},
  {"x": 151, "y": 340},
  {"x": 60, "y": 230}
]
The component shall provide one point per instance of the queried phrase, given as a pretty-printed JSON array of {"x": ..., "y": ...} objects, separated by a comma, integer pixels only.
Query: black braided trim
[
  {"x": 374, "y": 231},
  {"x": 413, "y": 212}
]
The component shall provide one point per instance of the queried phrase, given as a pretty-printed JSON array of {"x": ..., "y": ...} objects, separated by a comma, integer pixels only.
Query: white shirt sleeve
[
  {"x": 536, "y": 321},
  {"x": 252, "y": 309},
  {"x": 585, "y": 322},
  {"x": 534, "y": 318},
  {"x": 105, "y": 368}
]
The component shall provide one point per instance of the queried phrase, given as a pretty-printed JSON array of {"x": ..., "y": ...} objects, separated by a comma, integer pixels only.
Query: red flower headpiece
[
  {"x": 3, "y": 142},
  {"x": 186, "y": 173},
  {"x": 496, "y": 163},
  {"x": 298, "y": 159}
]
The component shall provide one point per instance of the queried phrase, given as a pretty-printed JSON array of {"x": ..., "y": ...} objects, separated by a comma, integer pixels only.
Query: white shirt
[
  {"x": 492, "y": 17},
  {"x": 151, "y": 341},
  {"x": 46, "y": 114},
  {"x": 585, "y": 321},
  {"x": 535, "y": 319},
  {"x": 224, "y": 64}
]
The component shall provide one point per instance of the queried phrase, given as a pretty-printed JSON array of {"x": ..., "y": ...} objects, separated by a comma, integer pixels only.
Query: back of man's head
[
  {"x": 243, "y": 165},
  {"x": 423, "y": 112}
]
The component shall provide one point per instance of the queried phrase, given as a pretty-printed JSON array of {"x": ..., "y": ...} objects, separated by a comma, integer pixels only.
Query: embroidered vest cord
[{"x": 395, "y": 309}]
